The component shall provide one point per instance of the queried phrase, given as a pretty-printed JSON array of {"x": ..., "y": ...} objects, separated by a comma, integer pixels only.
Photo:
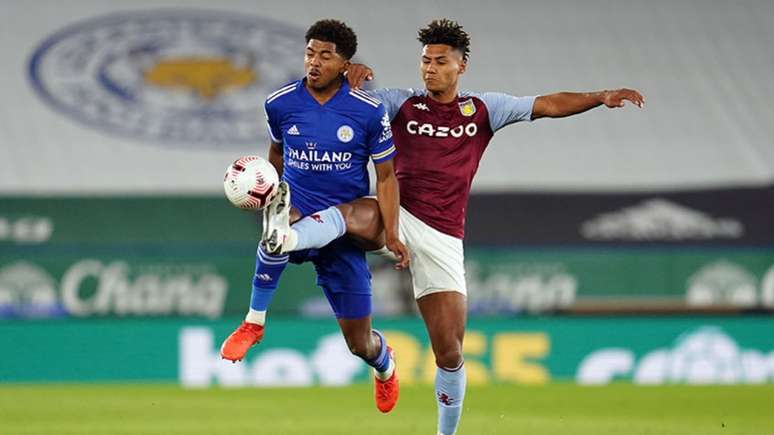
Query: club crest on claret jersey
[{"x": 467, "y": 107}]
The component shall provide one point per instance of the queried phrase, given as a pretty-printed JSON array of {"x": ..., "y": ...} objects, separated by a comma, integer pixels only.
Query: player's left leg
[
  {"x": 438, "y": 277},
  {"x": 444, "y": 314},
  {"x": 353, "y": 314},
  {"x": 343, "y": 274},
  {"x": 364, "y": 223},
  {"x": 359, "y": 219}
]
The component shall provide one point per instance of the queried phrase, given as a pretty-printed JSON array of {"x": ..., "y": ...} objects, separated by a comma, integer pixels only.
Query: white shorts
[{"x": 437, "y": 259}]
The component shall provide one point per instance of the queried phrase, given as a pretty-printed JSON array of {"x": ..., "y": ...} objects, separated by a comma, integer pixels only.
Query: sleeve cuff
[
  {"x": 384, "y": 155},
  {"x": 271, "y": 134}
]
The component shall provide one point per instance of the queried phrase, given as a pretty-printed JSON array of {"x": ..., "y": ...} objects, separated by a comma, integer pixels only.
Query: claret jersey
[
  {"x": 326, "y": 147},
  {"x": 440, "y": 146}
]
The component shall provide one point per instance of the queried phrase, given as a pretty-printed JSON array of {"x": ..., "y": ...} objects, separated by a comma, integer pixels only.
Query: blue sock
[
  {"x": 450, "y": 392},
  {"x": 382, "y": 361},
  {"x": 319, "y": 229},
  {"x": 268, "y": 269}
]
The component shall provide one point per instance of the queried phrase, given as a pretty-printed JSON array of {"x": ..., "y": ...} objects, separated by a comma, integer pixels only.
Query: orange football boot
[
  {"x": 386, "y": 392},
  {"x": 240, "y": 341}
]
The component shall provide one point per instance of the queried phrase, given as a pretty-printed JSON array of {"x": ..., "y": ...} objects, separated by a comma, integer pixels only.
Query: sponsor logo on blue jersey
[
  {"x": 327, "y": 148},
  {"x": 386, "y": 129}
]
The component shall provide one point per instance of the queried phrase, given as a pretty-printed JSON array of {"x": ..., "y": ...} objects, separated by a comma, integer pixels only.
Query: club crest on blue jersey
[
  {"x": 327, "y": 163},
  {"x": 345, "y": 133}
]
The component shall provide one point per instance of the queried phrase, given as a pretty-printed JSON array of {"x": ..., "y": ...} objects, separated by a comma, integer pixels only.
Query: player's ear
[
  {"x": 345, "y": 66},
  {"x": 463, "y": 66}
]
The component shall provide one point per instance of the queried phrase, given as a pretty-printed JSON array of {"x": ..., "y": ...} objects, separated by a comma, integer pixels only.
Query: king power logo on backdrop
[
  {"x": 660, "y": 219},
  {"x": 191, "y": 78},
  {"x": 724, "y": 282}
]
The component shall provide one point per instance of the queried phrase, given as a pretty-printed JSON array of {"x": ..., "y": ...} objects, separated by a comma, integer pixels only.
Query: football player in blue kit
[{"x": 323, "y": 134}]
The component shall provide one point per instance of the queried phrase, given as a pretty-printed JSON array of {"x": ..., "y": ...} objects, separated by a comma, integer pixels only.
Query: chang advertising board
[{"x": 92, "y": 287}]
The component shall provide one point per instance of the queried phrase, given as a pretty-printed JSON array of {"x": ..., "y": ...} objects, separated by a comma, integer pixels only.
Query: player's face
[
  {"x": 441, "y": 67},
  {"x": 322, "y": 64}
]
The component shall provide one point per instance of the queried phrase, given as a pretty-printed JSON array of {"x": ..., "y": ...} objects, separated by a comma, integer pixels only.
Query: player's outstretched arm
[
  {"x": 564, "y": 104},
  {"x": 389, "y": 201}
]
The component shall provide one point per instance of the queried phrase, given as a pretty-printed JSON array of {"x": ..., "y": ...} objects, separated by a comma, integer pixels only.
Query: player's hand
[
  {"x": 613, "y": 99},
  {"x": 400, "y": 251},
  {"x": 357, "y": 74}
]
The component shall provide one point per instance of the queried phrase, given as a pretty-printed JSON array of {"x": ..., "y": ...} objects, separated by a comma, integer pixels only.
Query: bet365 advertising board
[{"x": 312, "y": 352}]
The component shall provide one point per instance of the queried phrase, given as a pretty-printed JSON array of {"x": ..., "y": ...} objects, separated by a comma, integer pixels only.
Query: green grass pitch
[{"x": 557, "y": 409}]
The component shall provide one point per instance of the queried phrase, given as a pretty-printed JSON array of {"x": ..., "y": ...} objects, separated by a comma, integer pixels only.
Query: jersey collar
[
  {"x": 442, "y": 106},
  {"x": 343, "y": 90}
]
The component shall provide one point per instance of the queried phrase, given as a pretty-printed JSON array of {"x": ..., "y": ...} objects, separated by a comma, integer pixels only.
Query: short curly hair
[
  {"x": 337, "y": 32},
  {"x": 446, "y": 32}
]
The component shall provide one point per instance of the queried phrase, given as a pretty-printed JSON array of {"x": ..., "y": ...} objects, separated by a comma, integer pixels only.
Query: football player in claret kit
[
  {"x": 441, "y": 133},
  {"x": 323, "y": 134}
]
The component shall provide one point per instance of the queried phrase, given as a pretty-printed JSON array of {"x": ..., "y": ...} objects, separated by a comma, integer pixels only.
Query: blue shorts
[{"x": 343, "y": 275}]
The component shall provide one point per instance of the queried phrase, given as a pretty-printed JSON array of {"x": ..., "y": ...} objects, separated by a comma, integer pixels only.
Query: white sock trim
[
  {"x": 291, "y": 242},
  {"x": 455, "y": 369},
  {"x": 256, "y": 317},
  {"x": 387, "y": 374}
]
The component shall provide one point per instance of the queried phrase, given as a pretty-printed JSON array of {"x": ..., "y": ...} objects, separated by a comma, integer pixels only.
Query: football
[{"x": 250, "y": 182}]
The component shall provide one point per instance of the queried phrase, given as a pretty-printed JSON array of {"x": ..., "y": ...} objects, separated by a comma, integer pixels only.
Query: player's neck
[
  {"x": 444, "y": 97},
  {"x": 323, "y": 95}
]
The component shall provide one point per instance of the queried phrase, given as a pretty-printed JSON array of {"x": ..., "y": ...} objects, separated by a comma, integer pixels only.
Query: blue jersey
[{"x": 326, "y": 147}]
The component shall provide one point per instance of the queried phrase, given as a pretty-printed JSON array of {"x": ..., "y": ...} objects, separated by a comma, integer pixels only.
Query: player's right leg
[{"x": 268, "y": 269}]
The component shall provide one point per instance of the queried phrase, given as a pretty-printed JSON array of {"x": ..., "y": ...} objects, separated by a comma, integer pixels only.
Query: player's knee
[
  {"x": 295, "y": 215},
  {"x": 346, "y": 212},
  {"x": 449, "y": 358},
  {"x": 355, "y": 222},
  {"x": 369, "y": 211},
  {"x": 360, "y": 216}
]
